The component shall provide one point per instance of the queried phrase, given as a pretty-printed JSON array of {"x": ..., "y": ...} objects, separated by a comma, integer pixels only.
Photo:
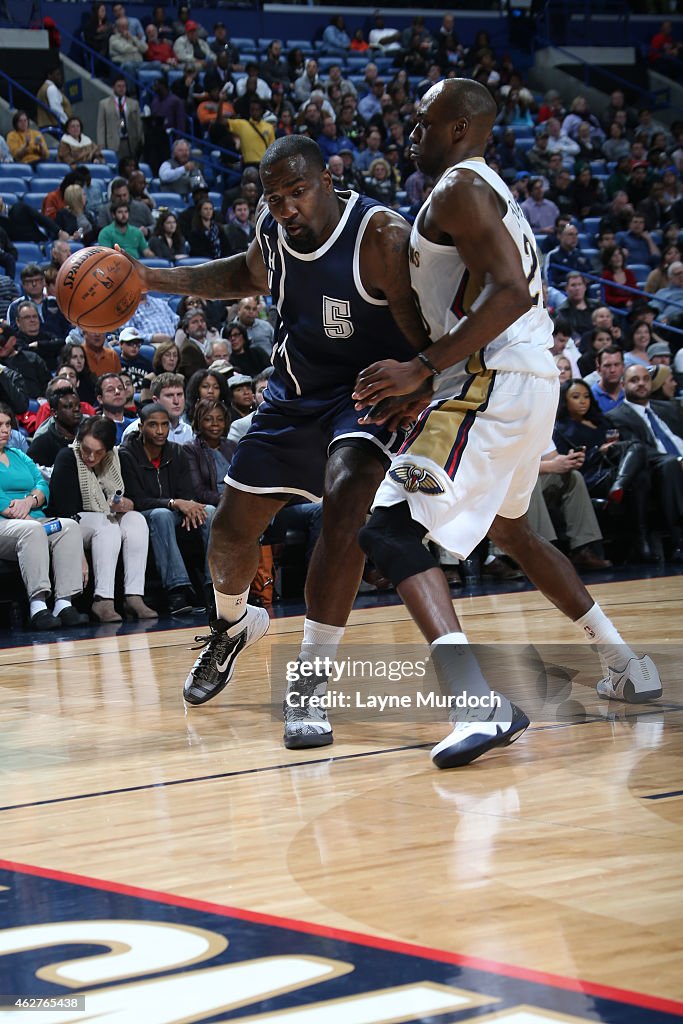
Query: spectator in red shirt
[
  {"x": 616, "y": 272},
  {"x": 159, "y": 50}
]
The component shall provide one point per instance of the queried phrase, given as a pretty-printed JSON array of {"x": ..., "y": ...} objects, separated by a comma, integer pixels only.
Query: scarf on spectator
[
  {"x": 214, "y": 240},
  {"x": 97, "y": 489}
]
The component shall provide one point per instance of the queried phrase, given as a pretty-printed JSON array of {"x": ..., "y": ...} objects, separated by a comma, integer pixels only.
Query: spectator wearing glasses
[
  {"x": 33, "y": 285},
  {"x": 32, "y": 334}
]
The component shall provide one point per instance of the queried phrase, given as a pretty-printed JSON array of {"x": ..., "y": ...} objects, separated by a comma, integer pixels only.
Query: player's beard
[{"x": 305, "y": 241}]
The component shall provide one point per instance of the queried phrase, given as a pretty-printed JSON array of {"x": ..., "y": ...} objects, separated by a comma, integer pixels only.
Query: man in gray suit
[{"x": 119, "y": 125}]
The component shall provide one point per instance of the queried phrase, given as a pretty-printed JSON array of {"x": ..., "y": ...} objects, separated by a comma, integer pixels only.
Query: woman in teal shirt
[{"x": 23, "y": 537}]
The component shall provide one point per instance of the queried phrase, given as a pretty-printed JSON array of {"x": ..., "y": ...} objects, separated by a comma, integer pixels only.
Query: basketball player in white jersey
[{"x": 468, "y": 467}]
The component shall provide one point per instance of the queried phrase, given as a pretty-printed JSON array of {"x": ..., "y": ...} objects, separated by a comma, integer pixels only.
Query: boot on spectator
[
  {"x": 103, "y": 609},
  {"x": 135, "y": 606}
]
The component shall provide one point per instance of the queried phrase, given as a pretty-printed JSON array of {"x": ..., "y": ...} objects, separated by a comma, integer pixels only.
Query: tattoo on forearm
[{"x": 220, "y": 279}]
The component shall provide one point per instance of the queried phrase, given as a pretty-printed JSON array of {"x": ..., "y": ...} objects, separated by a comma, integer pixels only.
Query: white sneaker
[
  {"x": 638, "y": 683},
  {"x": 306, "y": 723},
  {"x": 471, "y": 739},
  {"x": 213, "y": 669}
]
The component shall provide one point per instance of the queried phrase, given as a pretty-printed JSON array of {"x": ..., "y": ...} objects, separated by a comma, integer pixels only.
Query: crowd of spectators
[{"x": 131, "y": 434}]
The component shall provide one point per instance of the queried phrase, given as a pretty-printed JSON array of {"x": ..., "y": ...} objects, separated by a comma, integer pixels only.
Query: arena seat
[
  {"x": 16, "y": 185},
  {"x": 22, "y": 171},
  {"x": 29, "y": 252},
  {"x": 44, "y": 184},
  {"x": 34, "y": 199}
]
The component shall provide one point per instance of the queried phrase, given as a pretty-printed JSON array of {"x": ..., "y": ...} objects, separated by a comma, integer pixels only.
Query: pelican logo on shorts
[{"x": 414, "y": 479}]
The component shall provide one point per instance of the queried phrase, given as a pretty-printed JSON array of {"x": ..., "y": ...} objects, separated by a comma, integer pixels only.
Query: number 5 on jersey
[{"x": 337, "y": 317}]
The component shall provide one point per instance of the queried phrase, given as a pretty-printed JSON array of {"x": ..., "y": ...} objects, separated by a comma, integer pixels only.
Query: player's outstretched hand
[
  {"x": 141, "y": 270},
  {"x": 386, "y": 378},
  {"x": 399, "y": 410}
]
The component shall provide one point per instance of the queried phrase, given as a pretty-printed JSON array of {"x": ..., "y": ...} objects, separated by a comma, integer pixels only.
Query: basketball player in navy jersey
[
  {"x": 469, "y": 465},
  {"x": 336, "y": 266}
]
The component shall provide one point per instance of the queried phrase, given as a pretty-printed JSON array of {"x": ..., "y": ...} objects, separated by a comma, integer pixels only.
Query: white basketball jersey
[{"x": 445, "y": 290}]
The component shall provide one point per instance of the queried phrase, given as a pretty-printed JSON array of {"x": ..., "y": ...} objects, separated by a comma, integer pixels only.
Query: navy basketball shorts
[{"x": 287, "y": 446}]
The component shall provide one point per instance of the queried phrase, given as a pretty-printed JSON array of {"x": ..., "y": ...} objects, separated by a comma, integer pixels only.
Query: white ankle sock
[
  {"x": 36, "y": 604},
  {"x": 60, "y": 604},
  {"x": 231, "y": 607},
  {"x": 460, "y": 674},
  {"x": 320, "y": 640},
  {"x": 604, "y": 635}
]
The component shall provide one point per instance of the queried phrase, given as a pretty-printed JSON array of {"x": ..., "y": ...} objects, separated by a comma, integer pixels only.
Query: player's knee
[{"x": 393, "y": 541}]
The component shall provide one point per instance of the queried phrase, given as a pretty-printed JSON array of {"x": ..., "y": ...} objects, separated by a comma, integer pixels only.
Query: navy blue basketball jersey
[{"x": 328, "y": 327}]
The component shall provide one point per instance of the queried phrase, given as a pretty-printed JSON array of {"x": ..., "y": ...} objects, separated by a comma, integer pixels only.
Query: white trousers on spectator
[
  {"x": 106, "y": 538},
  {"x": 26, "y": 542}
]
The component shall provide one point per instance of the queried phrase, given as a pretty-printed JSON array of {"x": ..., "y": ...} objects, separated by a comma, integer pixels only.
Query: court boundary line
[
  {"x": 561, "y": 981},
  {"x": 540, "y": 727}
]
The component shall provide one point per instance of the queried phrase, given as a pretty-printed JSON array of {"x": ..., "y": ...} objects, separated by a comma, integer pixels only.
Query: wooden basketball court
[{"x": 163, "y": 864}]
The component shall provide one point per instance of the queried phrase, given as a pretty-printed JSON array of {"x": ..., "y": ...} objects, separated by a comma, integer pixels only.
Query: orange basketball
[{"x": 98, "y": 288}]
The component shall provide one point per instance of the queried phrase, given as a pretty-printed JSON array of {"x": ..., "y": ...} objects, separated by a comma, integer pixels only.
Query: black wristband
[{"x": 428, "y": 363}]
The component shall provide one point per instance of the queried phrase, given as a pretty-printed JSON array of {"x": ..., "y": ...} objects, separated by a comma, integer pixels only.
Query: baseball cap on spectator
[
  {"x": 639, "y": 163},
  {"x": 658, "y": 348},
  {"x": 130, "y": 334},
  {"x": 392, "y": 148},
  {"x": 222, "y": 366},
  {"x": 239, "y": 378},
  {"x": 522, "y": 174},
  {"x": 345, "y": 149},
  {"x": 191, "y": 26},
  {"x": 277, "y": 87},
  {"x": 541, "y": 130},
  {"x": 219, "y": 24}
]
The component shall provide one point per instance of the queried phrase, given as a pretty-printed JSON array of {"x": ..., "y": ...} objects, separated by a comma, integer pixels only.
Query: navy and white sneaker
[
  {"x": 213, "y": 669},
  {"x": 470, "y": 739},
  {"x": 306, "y": 723},
  {"x": 638, "y": 683}
]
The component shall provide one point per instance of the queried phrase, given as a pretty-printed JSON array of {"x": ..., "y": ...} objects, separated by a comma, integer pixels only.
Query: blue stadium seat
[
  {"x": 194, "y": 261},
  {"x": 359, "y": 63},
  {"x": 640, "y": 271},
  {"x": 169, "y": 199},
  {"x": 147, "y": 76},
  {"x": 146, "y": 170},
  {"x": 524, "y": 144},
  {"x": 10, "y": 198},
  {"x": 154, "y": 261},
  {"x": 325, "y": 63},
  {"x": 34, "y": 199},
  {"x": 44, "y": 184},
  {"x": 16, "y": 185},
  {"x": 523, "y": 131},
  {"x": 45, "y": 169},
  {"x": 29, "y": 252},
  {"x": 598, "y": 166},
  {"x": 591, "y": 225},
  {"x": 101, "y": 171},
  {"x": 301, "y": 44},
  {"x": 22, "y": 171},
  {"x": 111, "y": 157},
  {"x": 265, "y": 41},
  {"x": 217, "y": 199}
]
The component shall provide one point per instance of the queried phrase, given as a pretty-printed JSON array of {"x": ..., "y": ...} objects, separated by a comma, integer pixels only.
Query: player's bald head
[
  {"x": 461, "y": 97},
  {"x": 291, "y": 147}
]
